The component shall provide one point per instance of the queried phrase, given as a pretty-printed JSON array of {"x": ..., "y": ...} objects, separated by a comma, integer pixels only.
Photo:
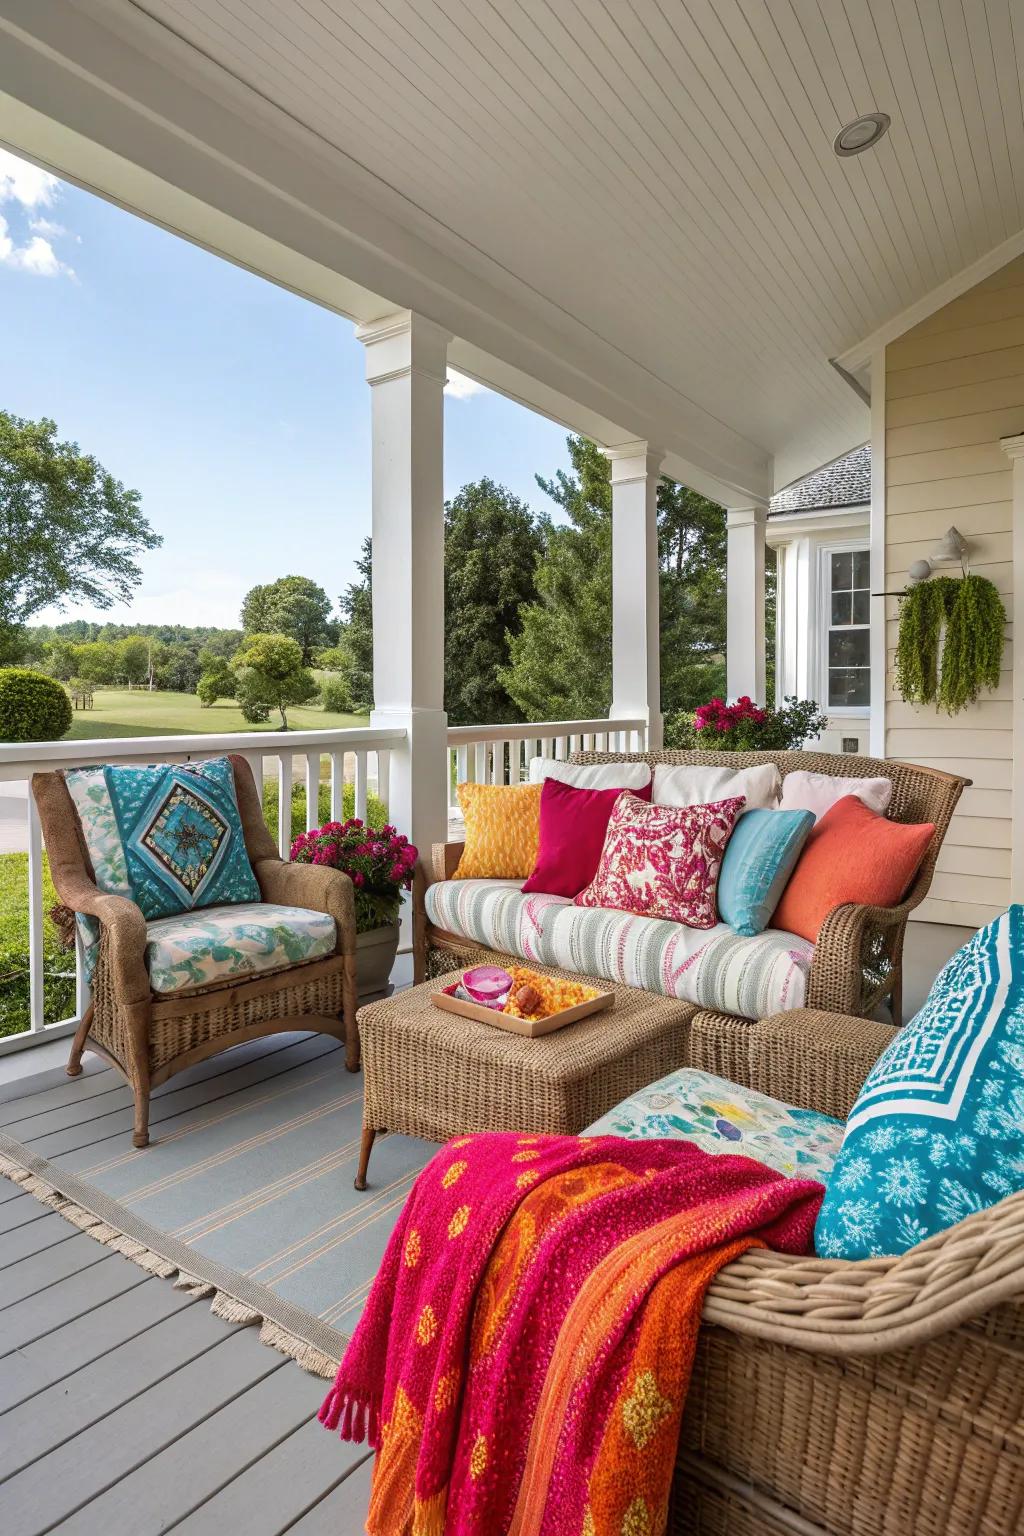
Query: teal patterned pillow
[
  {"x": 168, "y": 835},
  {"x": 759, "y": 858},
  {"x": 938, "y": 1129}
]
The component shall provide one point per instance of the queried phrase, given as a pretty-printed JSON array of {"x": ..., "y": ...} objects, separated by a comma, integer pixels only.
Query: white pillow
[
  {"x": 818, "y": 792},
  {"x": 591, "y": 775},
  {"x": 686, "y": 784}
]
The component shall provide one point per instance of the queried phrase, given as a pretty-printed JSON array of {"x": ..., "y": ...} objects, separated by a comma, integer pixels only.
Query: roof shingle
[{"x": 846, "y": 482}]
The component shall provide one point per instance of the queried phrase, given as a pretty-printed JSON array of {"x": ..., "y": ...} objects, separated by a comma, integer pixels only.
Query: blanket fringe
[
  {"x": 222, "y": 1303},
  {"x": 356, "y": 1418}
]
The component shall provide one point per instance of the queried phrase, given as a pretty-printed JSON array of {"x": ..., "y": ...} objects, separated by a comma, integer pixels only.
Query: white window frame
[{"x": 824, "y": 625}]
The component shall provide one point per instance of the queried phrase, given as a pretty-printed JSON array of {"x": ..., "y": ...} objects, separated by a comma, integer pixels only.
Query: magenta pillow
[
  {"x": 573, "y": 823},
  {"x": 663, "y": 860}
]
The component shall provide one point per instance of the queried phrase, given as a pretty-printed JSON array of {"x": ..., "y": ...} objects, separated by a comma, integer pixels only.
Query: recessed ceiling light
[{"x": 861, "y": 133}]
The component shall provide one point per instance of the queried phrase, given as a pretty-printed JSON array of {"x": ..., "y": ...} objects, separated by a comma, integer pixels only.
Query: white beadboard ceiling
[{"x": 660, "y": 172}]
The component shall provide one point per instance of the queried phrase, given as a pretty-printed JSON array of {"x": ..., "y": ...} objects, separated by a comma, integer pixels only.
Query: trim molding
[
  {"x": 856, "y": 358},
  {"x": 877, "y": 731}
]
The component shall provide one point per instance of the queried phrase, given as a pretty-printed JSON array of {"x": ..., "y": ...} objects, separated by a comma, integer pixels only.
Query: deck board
[
  {"x": 343, "y": 1511},
  {"x": 99, "y": 1459},
  {"x": 33, "y": 1237},
  {"x": 286, "y": 1482},
  {"x": 61, "y": 1351},
  {"x": 66, "y": 1301},
  {"x": 126, "y": 1407}
]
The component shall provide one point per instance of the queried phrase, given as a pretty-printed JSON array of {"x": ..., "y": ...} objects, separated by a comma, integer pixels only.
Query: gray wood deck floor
[{"x": 127, "y": 1408}]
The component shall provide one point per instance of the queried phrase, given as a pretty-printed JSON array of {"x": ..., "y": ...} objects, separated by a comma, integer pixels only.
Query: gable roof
[{"x": 846, "y": 482}]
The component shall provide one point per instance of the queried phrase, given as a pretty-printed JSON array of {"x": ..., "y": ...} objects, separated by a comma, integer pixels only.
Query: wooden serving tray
[{"x": 532, "y": 1028}]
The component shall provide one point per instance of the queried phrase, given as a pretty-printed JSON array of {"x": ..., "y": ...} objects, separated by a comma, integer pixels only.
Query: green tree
[
  {"x": 131, "y": 658},
  {"x": 561, "y": 661},
  {"x": 176, "y": 667},
  {"x": 216, "y": 679},
  {"x": 94, "y": 662},
  {"x": 68, "y": 529},
  {"x": 295, "y": 606},
  {"x": 491, "y": 547},
  {"x": 271, "y": 675},
  {"x": 355, "y": 640}
]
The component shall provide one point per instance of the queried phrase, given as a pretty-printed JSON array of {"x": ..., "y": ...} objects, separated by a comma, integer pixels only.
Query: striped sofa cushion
[{"x": 713, "y": 967}]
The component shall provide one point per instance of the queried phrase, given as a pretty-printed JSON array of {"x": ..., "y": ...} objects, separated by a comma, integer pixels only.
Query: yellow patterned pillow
[{"x": 502, "y": 831}]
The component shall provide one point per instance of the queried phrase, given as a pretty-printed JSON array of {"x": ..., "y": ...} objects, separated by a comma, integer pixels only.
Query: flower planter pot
[{"x": 375, "y": 955}]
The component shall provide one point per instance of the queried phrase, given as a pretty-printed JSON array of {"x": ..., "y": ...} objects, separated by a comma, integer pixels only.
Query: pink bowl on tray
[{"x": 487, "y": 985}]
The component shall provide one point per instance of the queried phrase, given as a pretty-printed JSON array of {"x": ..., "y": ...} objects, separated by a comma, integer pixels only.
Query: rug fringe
[{"x": 222, "y": 1303}]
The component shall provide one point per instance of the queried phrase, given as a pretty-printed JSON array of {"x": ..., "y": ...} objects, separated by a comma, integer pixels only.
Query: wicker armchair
[
  {"x": 858, "y": 957},
  {"x": 877, "y": 1398},
  {"x": 149, "y": 1038}
]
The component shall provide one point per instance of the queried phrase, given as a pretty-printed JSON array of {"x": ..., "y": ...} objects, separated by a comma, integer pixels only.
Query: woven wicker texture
[
  {"x": 147, "y": 1039},
  {"x": 436, "y": 1075},
  {"x": 858, "y": 957},
  {"x": 882, "y": 1398}
]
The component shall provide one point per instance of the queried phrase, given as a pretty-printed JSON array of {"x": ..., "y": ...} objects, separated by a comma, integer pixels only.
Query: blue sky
[{"x": 238, "y": 410}]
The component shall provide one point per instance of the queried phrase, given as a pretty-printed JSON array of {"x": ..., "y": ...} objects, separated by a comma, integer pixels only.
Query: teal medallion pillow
[
  {"x": 759, "y": 858},
  {"x": 168, "y": 835},
  {"x": 937, "y": 1131}
]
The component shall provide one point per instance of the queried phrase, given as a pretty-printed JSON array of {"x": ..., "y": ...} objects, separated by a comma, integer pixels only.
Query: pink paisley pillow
[{"x": 663, "y": 860}]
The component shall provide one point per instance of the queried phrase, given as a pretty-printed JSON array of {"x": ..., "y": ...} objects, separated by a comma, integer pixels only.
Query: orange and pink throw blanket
[{"x": 522, "y": 1363}]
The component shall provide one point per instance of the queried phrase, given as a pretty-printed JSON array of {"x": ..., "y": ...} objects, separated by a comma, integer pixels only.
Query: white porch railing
[
  {"x": 359, "y": 757},
  {"x": 500, "y": 754}
]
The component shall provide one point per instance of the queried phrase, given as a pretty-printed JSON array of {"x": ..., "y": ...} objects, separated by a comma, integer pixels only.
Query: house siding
[{"x": 954, "y": 385}]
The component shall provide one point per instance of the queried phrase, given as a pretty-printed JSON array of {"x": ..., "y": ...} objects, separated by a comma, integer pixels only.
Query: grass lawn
[{"x": 137, "y": 712}]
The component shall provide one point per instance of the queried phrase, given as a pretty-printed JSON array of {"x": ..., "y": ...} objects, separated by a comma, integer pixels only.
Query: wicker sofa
[
  {"x": 858, "y": 958},
  {"x": 829, "y": 1398},
  {"x": 149, "y": 1038}
]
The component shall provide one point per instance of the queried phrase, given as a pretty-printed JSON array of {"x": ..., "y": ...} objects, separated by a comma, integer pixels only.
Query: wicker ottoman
[{"x": 436, "y": 1075}]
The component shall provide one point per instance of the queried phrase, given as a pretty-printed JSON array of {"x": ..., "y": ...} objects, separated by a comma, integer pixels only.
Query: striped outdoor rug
[{"x": 250, "y": 1169}]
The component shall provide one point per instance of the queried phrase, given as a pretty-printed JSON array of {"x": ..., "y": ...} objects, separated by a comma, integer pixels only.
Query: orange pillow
[
  {"x": 851, "y": 855},
  {"x": 502, "y": 831}
]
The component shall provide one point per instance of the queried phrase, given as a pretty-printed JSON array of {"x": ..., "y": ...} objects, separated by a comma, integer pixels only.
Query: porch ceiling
[{"x": 634, "y": 202}]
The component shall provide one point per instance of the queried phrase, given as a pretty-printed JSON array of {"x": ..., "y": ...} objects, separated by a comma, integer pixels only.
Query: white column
[
  {"x": 1014, "y": 447},
  {"x": 744, "y": 646},
  {"x": 636, "y": 661},
  {"x": 405, "y": 366}
]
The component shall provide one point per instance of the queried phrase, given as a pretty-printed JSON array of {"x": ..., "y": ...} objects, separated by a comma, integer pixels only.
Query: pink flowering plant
[
  {"x": 380, "y": 865},
  {"x": 744, "y": 726}
]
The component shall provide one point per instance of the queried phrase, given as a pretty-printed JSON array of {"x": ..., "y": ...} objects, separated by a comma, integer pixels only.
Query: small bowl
[{"x": 488, "y": 985}]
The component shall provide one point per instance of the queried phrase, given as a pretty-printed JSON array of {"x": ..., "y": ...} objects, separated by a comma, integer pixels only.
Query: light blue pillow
[
  {"x": 759, "y": 858},
  {"x": 937, "y": 1131}
]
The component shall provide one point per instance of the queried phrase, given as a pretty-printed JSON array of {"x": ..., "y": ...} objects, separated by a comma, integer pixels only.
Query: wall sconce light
[{"x": 951, "y": 549}]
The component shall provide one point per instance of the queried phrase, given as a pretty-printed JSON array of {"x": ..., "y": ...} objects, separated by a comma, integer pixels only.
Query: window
[{"x": 848, "y": 640}]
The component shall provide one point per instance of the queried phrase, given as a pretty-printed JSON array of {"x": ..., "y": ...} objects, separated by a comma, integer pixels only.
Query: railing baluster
[
  {"x": 284, "y": 804},
  {"x": 337, "y": 786},
  {"x": 384, "y": 778},
  {"x": 37, "y": 1010},
  {"x": 312, "y": 790},
  {"x": 361, "y": 785},
  {"x": 481, "y": 762},
  {"x": 461, "y": 765}
]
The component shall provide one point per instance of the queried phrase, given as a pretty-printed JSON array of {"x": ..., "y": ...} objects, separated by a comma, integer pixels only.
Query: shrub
[
  {"x": 376, "y": 810},
  {"x": 335, "y": 696},
  {"x": 746, "y": 727},
  {"x": 33, "y": 707},
  {"x": 58, "y": 963}
]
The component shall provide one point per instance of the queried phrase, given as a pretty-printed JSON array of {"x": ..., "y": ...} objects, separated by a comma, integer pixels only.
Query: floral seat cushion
[
  {"x": 712, "y": 967},
  {"x": 221, "y": 944},
  {"x": 719, "y": 1116}
]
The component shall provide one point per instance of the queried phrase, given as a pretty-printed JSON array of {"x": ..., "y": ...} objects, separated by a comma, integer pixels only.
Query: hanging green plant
[
  {"x": 973, "y": 652},
  {"x": 974, "y": 618},
  {"x": 922, "y": 614}
]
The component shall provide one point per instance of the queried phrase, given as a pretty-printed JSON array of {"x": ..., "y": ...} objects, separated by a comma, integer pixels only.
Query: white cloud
[
  {"x": 36, "y": 255},
  {"x": 52, "y": 230},
  {"x": 460, "y": 387},
  {"x": 27, "y": 184}
]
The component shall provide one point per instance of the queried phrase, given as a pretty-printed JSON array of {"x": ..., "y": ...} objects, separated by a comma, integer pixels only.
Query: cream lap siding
[{"x": 954, "y": 386}]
